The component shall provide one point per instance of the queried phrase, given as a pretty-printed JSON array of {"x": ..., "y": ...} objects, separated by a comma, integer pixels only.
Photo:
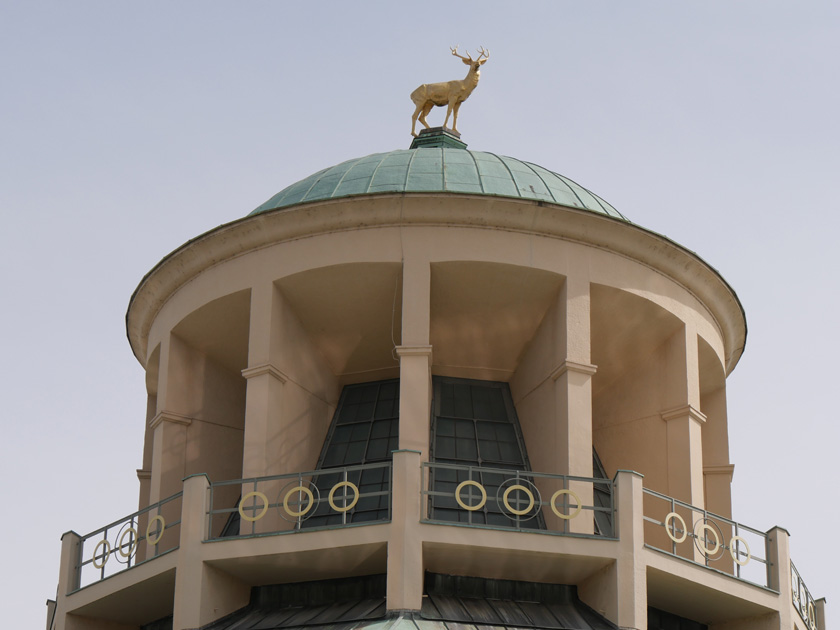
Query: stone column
[
  {"x": 265, "y": 382},
  {"x": 684, "y": 430},
  {"x": 415, "y": 358},
  {"x": 405, "y": 549},
  {"x": 202, "y": 593},
  {"x": 683, "y": 417},
  {"x": 573, "y": 393},
  {"x": 170, "y": 423},
  {"x": 262, "y": 443}
]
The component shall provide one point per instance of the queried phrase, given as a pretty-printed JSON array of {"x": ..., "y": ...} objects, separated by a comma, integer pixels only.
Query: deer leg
[
  {"x": 448, "y": 113},
  {"x": 455, "y": 116},
  {"x": 427, "y": 107},
  {"x": 414, "y": 120}
]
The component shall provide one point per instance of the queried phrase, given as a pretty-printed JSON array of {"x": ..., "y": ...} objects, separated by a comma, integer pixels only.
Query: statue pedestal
[{"x": 438, "y": 137}]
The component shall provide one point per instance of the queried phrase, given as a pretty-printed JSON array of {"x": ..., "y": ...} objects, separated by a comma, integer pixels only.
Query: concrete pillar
[
  {"x": 680, "y": 394},
  {"x": 405, "y": 551},
  {"x": 630, "y": 568},
  {"x": 202, "y": 593},
  {"x": 718, "y": 492},
  {"x": 415, "y": 358},
  {"x": 265, "y": 383},
  {"x": 50, "y": 614},
  {"x": 573, "y": 392},
  {"x": 716, "y": 467},
  {"x": 261, "y": 454},
  {"x": 68, "y": 576},
  {"x": 684, "y": 419},
  {"x": 778, "y": 575},
  {"x": 169, "y": 425},
  {"x": 820, "y": 604}
]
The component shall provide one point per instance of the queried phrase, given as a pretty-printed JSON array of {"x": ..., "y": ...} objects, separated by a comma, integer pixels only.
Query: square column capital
[
  {"x": 265, "y": 368},
  {"x": 684, "y": 411}
]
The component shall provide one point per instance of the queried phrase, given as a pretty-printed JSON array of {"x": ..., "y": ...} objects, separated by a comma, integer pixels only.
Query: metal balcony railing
[
  {"x": 129, "y": 541},
  {"x": 519, "y": 500},
  {"x": 317, "y": 499},
  {"x": 695, "y": 534},
  {"x": 802, "y": 599}
]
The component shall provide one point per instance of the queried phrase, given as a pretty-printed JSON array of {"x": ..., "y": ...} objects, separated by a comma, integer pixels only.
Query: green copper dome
[{"x": 439, "y": 169}]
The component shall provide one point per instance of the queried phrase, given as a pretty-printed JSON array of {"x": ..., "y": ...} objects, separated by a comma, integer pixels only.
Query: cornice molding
[
  {"x": 144, "y": 474},
  {"x": 722, "y": 469},
  {"x": 260, "y": 370},
  {"x": 414, "y": 351},
  {"x": 573, "y": 366},
  {"x": 168, "y": 416},
  {"x": 685, "y": 411}
]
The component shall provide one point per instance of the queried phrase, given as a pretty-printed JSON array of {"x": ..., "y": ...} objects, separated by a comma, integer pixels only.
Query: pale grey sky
[{"x": 128, "y": 128}]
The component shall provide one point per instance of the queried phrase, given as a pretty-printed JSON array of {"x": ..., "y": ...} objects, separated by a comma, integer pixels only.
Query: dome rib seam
[
  {"x": 408, "y": 170},
  {"x": 477, "y": 172},
  {"x": 597, "y": 199},
  {"x": 510, "y": 172},
  {"x": 317, "y": 179},
  {"x": 547, "y": 187},
  {"x": 372, "y": 175},
  {"x": 341, "y": 179}
]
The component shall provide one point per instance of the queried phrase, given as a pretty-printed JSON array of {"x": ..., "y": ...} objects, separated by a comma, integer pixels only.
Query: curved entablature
[{"x": 531, "y": 219}]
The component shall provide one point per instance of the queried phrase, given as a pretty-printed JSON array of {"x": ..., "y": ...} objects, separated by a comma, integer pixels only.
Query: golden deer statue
[{"x": 450, "y": 93}]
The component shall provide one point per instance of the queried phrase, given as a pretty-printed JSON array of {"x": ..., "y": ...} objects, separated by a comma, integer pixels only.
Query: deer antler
[
  {"x": 484, "y": 53},
  {"x": 455, "y": 52}
]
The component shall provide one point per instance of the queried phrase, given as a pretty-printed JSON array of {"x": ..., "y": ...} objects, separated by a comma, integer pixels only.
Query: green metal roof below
[{"x": 440, "y": 169}]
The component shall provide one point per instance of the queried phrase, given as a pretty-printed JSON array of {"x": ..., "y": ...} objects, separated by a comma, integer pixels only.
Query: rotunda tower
[{"x": 434, "y": 386}]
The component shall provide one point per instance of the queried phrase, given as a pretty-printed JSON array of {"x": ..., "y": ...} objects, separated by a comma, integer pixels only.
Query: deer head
[{"x": 475, "y": 64}]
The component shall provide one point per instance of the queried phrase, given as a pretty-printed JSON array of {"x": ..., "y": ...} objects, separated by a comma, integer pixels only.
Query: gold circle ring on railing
[
  {"x": 511, "y": 508},
  {"x": 264, "y": 509},
  {"x": 812, "y": 616},
  {"x": 464, "y": 484},
  {"x": 668, "y": 519},
  {"x": 572, "y": 494},
  {"x": 158, "y": 535},
  {"x": 736, "y": 555},
  {"x": 703, "y": 539},
  {"x": 342, "y": 484},
  {"x": 309, "y": 496},
  {"x": 105, "y": 555},
  {"x": 132, "y": 545}
]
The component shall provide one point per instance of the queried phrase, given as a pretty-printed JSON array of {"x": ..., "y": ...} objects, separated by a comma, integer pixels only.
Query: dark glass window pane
[
  {"x": 473, "y": 426},
  {"x": 481, "y": 402},
  {"x": 365, "y": 430},
  {"x": 465, "y": 448},
  {"x": 355, "y": 453},
  {"x": 463, "y": 401},
  {"x": 445, "y": 427},
  {"x": 378, "y": 448},
  {"x": 465, "y": 429},
  {"x": 446, "y": 393},
  {"x": 445, "y": 447}
]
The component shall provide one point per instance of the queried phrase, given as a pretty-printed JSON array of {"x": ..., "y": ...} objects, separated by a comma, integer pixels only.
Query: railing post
[
  {"x": 202, "y": 593},
  {"x": 778, "y": 572},
  {"x": 405, "y": 553},
  {"x": 68, "y": 575},
  {"x": 820, "y": 605},
  {"x": 631, "y": 569}
]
